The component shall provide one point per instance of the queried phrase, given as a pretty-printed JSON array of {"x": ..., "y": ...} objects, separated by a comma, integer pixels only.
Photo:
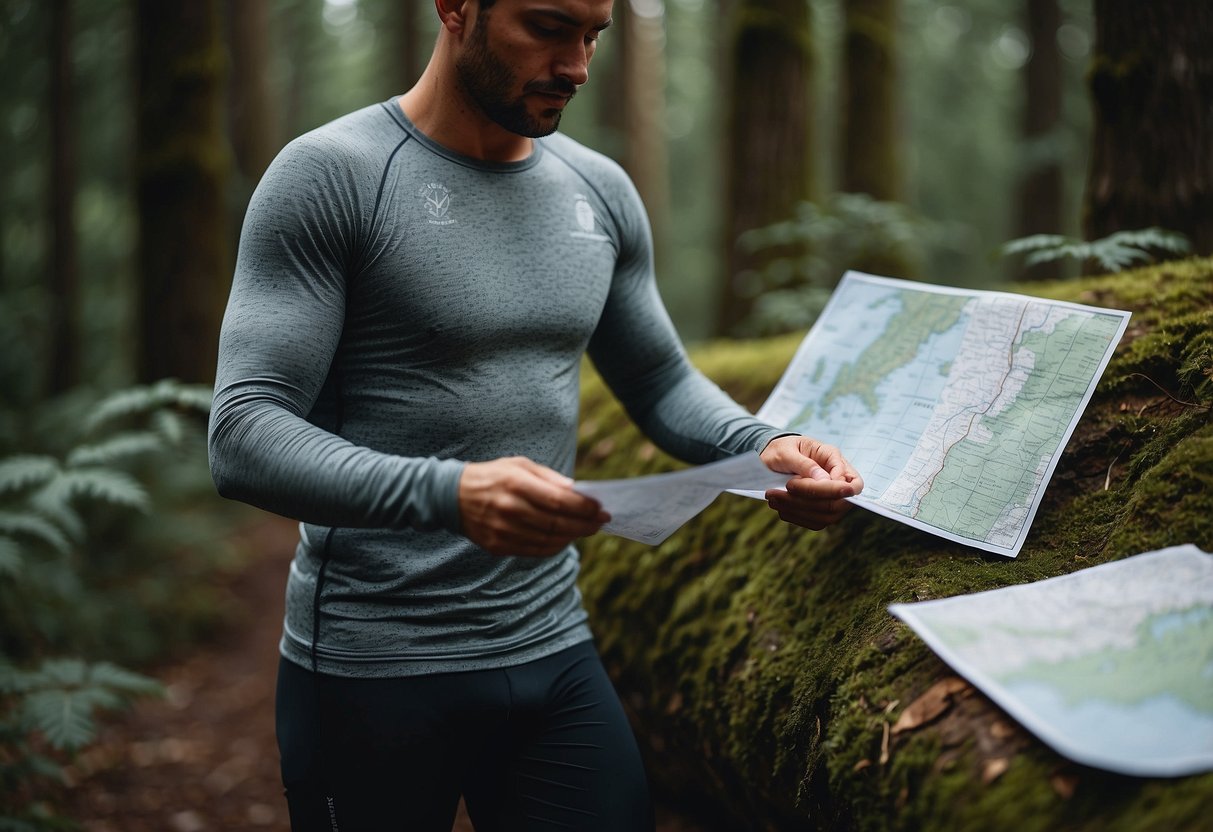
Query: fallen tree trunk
[{"x": 764, "y": 672}]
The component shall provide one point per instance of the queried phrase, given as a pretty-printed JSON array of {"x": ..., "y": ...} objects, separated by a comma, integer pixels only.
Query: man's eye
[{"x": 544, "y": 31}]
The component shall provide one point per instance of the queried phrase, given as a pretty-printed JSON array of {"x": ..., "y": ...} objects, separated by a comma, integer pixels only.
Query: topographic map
[
  {"x": 1112, "y": 666},
  {"x": 954, "y": 405}
]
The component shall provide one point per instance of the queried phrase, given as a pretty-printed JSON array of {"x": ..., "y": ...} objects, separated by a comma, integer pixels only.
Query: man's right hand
[{"x": 514, "y": 506}]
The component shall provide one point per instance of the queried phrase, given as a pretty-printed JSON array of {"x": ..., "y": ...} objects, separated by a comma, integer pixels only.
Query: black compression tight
[{"x": 540, "y": 746}]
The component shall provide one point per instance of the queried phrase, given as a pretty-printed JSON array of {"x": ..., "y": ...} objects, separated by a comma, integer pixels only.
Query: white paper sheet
[
  {"x": 650, "y": 509},
  {"x": 1112, "y": 666}
]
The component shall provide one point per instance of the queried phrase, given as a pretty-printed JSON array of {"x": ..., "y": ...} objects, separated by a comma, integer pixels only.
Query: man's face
[{"x": 525, "y": 59}]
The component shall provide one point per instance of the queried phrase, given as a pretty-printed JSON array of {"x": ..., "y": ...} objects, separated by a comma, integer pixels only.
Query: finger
[
  {"x": 815, "y": 517},
  {"x": 816, "y": 522},
  {"x": 810, "y": 488},
  {"x": 503, "y": 538},
  {"x": 789, "y": 502},
  {"x": 552, "y": 493},
  {"x": 559, "y": 526}
]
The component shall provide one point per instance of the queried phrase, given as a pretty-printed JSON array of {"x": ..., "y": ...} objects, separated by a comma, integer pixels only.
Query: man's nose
[{"x": 573, "y": 64}]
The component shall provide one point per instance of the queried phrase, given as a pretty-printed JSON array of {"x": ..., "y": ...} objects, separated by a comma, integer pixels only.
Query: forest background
[
  {"x": 947, "y": 86},
  {"x": 776, "y": 143}
]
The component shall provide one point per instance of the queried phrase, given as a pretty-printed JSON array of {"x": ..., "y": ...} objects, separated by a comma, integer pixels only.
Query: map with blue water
[
  {"x": 1111, "y": 666},
  {"x": 954, "y": 405}
]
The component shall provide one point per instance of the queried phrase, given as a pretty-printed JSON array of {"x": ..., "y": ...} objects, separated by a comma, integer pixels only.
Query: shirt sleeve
[
  {"x": 281, "y": 334},
  {"x": 640, "y": 356}
]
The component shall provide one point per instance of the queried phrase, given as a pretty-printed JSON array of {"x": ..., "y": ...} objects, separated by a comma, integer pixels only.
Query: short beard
[{"x": 488, "y": 81}]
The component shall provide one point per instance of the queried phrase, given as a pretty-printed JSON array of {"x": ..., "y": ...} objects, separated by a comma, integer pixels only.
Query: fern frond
[
  {"x": 124, "y": 681},
  {"x": 54, "y": 502},
  {"x": 29, "y": 524},
  {"x": 169, "y": 425},
  {"x": 60, "y": 672},
  {"x": 164, "y": 393},
  {"x": 1154, "y": 237},
  {"x": 101, "y": 484},
  {"x": 26, "y": 470},
  {"x": 65, "y": 717},
  {"x": 1113, "y": 253},
  {"x": 1033, "y": 242},
  {"x": 1113, "y": 257},
  {"x": 195, "y": 397},
  {"x": 117, "y": 448},
  {"x": 60, "y": 697},
  {"x": 10, "y": 556}
]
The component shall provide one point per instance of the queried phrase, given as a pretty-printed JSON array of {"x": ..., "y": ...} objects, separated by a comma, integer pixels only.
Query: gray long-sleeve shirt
[{"x": 399, "y": 310}]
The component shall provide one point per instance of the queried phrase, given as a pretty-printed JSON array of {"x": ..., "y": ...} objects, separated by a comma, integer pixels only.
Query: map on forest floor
[
  {"x": 1111, "y": 666},
  {"x": 954, "y": 405}
]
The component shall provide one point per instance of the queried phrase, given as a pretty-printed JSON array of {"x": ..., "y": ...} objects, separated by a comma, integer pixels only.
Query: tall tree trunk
[
  {"x": 182, "y": 165},
  {"x": 608, "y": 79},
  {"x": 769, "y": 141},
  {"x": 1040, "y": 193},
  {"x": 1151, "y": 83},
  {"x": 643, "y": 97},
  {"x": 868, "y": 146},
  {"x": 869, "y": 141},
  {"x": 63, "y": 357},
  {"x": 252, "y": 106},
  {"x": 407, "y": 52},
  {"x": 302, "y": 27}
]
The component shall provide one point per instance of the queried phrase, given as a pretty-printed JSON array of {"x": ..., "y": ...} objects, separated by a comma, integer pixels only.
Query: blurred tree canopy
[{"x": 128, "y": 154}]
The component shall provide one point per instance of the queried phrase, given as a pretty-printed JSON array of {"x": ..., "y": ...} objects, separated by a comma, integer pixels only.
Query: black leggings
[{"x": 540, "y": 746}]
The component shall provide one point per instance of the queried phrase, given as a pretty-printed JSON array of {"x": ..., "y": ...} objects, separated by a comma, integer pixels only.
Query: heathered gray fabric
[{"x": 398, "y": 310}]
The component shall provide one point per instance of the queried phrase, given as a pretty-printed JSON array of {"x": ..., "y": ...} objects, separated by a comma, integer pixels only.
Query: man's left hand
[{"x": 821, "y": 481}]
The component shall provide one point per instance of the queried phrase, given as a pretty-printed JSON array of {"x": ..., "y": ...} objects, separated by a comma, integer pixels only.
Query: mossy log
[{"x": 760, "y": 663}]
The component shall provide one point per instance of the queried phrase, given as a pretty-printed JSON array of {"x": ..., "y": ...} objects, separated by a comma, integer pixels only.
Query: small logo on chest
[
  {"x": 583, "y": 214},
  {"x": 437, "y": 201}
]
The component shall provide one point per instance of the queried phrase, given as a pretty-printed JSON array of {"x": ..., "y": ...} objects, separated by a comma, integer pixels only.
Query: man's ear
[{"x": 453, "y": 14}]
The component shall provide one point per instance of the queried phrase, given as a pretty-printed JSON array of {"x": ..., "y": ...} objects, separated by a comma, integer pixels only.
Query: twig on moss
[
  {"x": 1205, "y": 405},
  {"x": 1107, "y": 480}
]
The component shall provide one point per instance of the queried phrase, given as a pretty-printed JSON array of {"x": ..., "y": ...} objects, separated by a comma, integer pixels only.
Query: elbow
[
  {"x": 226, "y": 483},
  {"x": 224, "y": 474}
]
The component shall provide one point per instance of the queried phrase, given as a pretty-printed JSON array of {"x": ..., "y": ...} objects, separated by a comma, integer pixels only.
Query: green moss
[{"x": 759, "y": 660}]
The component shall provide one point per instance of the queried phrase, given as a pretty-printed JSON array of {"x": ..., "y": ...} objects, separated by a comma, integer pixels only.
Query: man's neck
[{"x": 439, "y": 110}]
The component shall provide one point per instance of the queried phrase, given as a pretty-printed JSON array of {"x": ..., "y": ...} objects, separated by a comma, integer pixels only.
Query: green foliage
[
  {"x": 53, "y": 704},
  {"x": 79, "y": 477},
  {"x": 1113, "y": 253},
  {"x": 811, "y": 251},
  {"x": 59, "y": 697}
]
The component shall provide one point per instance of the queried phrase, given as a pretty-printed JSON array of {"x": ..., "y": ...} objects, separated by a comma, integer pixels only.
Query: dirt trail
[{"x": 204, "y": 757}]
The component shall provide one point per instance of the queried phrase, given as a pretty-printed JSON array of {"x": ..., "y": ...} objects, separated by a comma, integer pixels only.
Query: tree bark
[
  {"x": 409, "y": 59},
  {"x": 252, "y": 106},
  {"x": 182, "y": 165},
  {"x": 63, "y": 358},
  {"x": 868, "y": 146},
  {"x": 1151, "y": 83},
  {"x": 869, "y": 141},
  {"x": 768, "y": 135},
  {"x": 643, "y": 95},
  {"x": 1040, "y": 191}
]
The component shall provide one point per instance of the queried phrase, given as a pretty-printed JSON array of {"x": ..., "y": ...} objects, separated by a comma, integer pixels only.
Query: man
[{"x": 399, "y": 369}]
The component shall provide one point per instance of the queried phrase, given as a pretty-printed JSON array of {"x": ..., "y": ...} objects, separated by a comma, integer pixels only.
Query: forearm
[
  {"x": 691, "y": 418},
  {"x": 262, "y": 454}
]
